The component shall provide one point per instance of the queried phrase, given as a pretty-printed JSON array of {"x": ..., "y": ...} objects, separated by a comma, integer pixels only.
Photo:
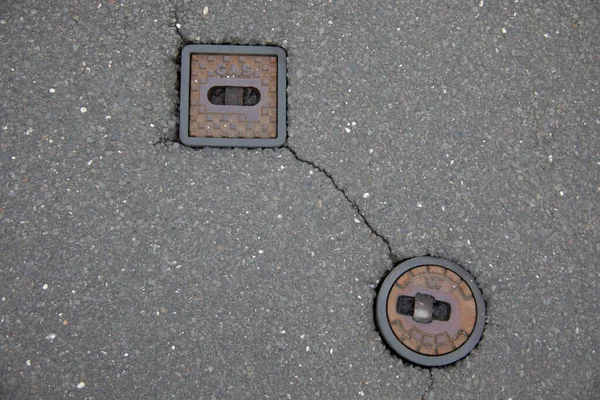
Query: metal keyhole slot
[{"x": 233, "y": 96}]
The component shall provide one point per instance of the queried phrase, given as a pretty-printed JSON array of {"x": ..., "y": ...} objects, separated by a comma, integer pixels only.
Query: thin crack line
[
  {"x": 428, "y": 389},
  {"x": 165, "y": 139},
  {"x": 352, "y": 203},
  {"x": 177, "y": 25}
]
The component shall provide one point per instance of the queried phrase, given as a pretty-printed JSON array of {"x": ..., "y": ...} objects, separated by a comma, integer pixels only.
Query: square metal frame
[{"x": 184, "y": 98}]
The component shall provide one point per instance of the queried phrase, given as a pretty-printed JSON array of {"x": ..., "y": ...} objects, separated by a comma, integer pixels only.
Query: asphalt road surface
[{"x": 134, "y": 267}]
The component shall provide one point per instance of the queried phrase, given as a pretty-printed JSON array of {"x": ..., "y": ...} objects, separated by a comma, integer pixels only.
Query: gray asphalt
[{"x": 134, "y": 267}]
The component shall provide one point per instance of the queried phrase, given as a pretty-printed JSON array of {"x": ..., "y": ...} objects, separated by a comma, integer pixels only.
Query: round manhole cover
[{"x": 430, "y": 311}]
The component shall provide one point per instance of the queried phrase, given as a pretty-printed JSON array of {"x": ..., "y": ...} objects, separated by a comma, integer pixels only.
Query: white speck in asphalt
[
  {"x": 81, "y": 385},
  {"x": 331, "y": 351},
  {"x": 29, "y": 130},
  {"x": 205, "y": 11},
  {"x": 83, "y": 110},
  {"x": 347, "y": 130},
  {"x": 52, "y": 90},
  {"x": 361, "y": 393},
  {"x": 107, "y": 117},
  {"x": 279, "y": 216},
  {"x": 302, "y": 336},
  {"x": 45, "y": 287},
  {"x": 371, "y": 151},
  {"x": 282, "y": 332},
  {"x": 28, "y": 363},
  {"x": 562, "y": 193},
  {"x": 90, "y": 162},
  {"x": 353, "y": 123},
  {"x": 178, "y": 26},
  {"x": 504, "y": 31},
  {"x": 550, "y": 158},
  {"x": 357, "y": 220},
  {"x": 481, "y": 3},
  {"x": 51, "y": 336},
  {"x": 419, "y": 205},
  {"x": 366, "y": 195},
  {"x": 260, "y": 252},
  {"x": 307, "y": 348}
]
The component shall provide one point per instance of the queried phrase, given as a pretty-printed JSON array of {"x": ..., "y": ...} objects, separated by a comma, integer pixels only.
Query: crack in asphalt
[
  {"x": 352, "y": 203},
  {"x": 428, "y": 389},
  {"x": 182, "y": 40},
  {"x": 176, "y": 25}
]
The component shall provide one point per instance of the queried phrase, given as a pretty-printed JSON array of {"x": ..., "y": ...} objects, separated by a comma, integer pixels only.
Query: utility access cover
[
  {"x": 233, "y": 96},
  {"x": 430, "y": 311}
]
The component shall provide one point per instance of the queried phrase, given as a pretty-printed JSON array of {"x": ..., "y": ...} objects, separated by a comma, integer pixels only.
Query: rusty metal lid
[
  {"x": 430, "y": 311},
  {"x": 233, "y": 96}
]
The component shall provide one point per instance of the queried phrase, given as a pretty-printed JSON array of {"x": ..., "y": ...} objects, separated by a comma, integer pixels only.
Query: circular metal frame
[{"x": 392, "y": 341}]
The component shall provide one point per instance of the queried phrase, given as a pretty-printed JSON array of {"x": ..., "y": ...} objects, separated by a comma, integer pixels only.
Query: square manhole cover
[{"x": 233, "y": 96}]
